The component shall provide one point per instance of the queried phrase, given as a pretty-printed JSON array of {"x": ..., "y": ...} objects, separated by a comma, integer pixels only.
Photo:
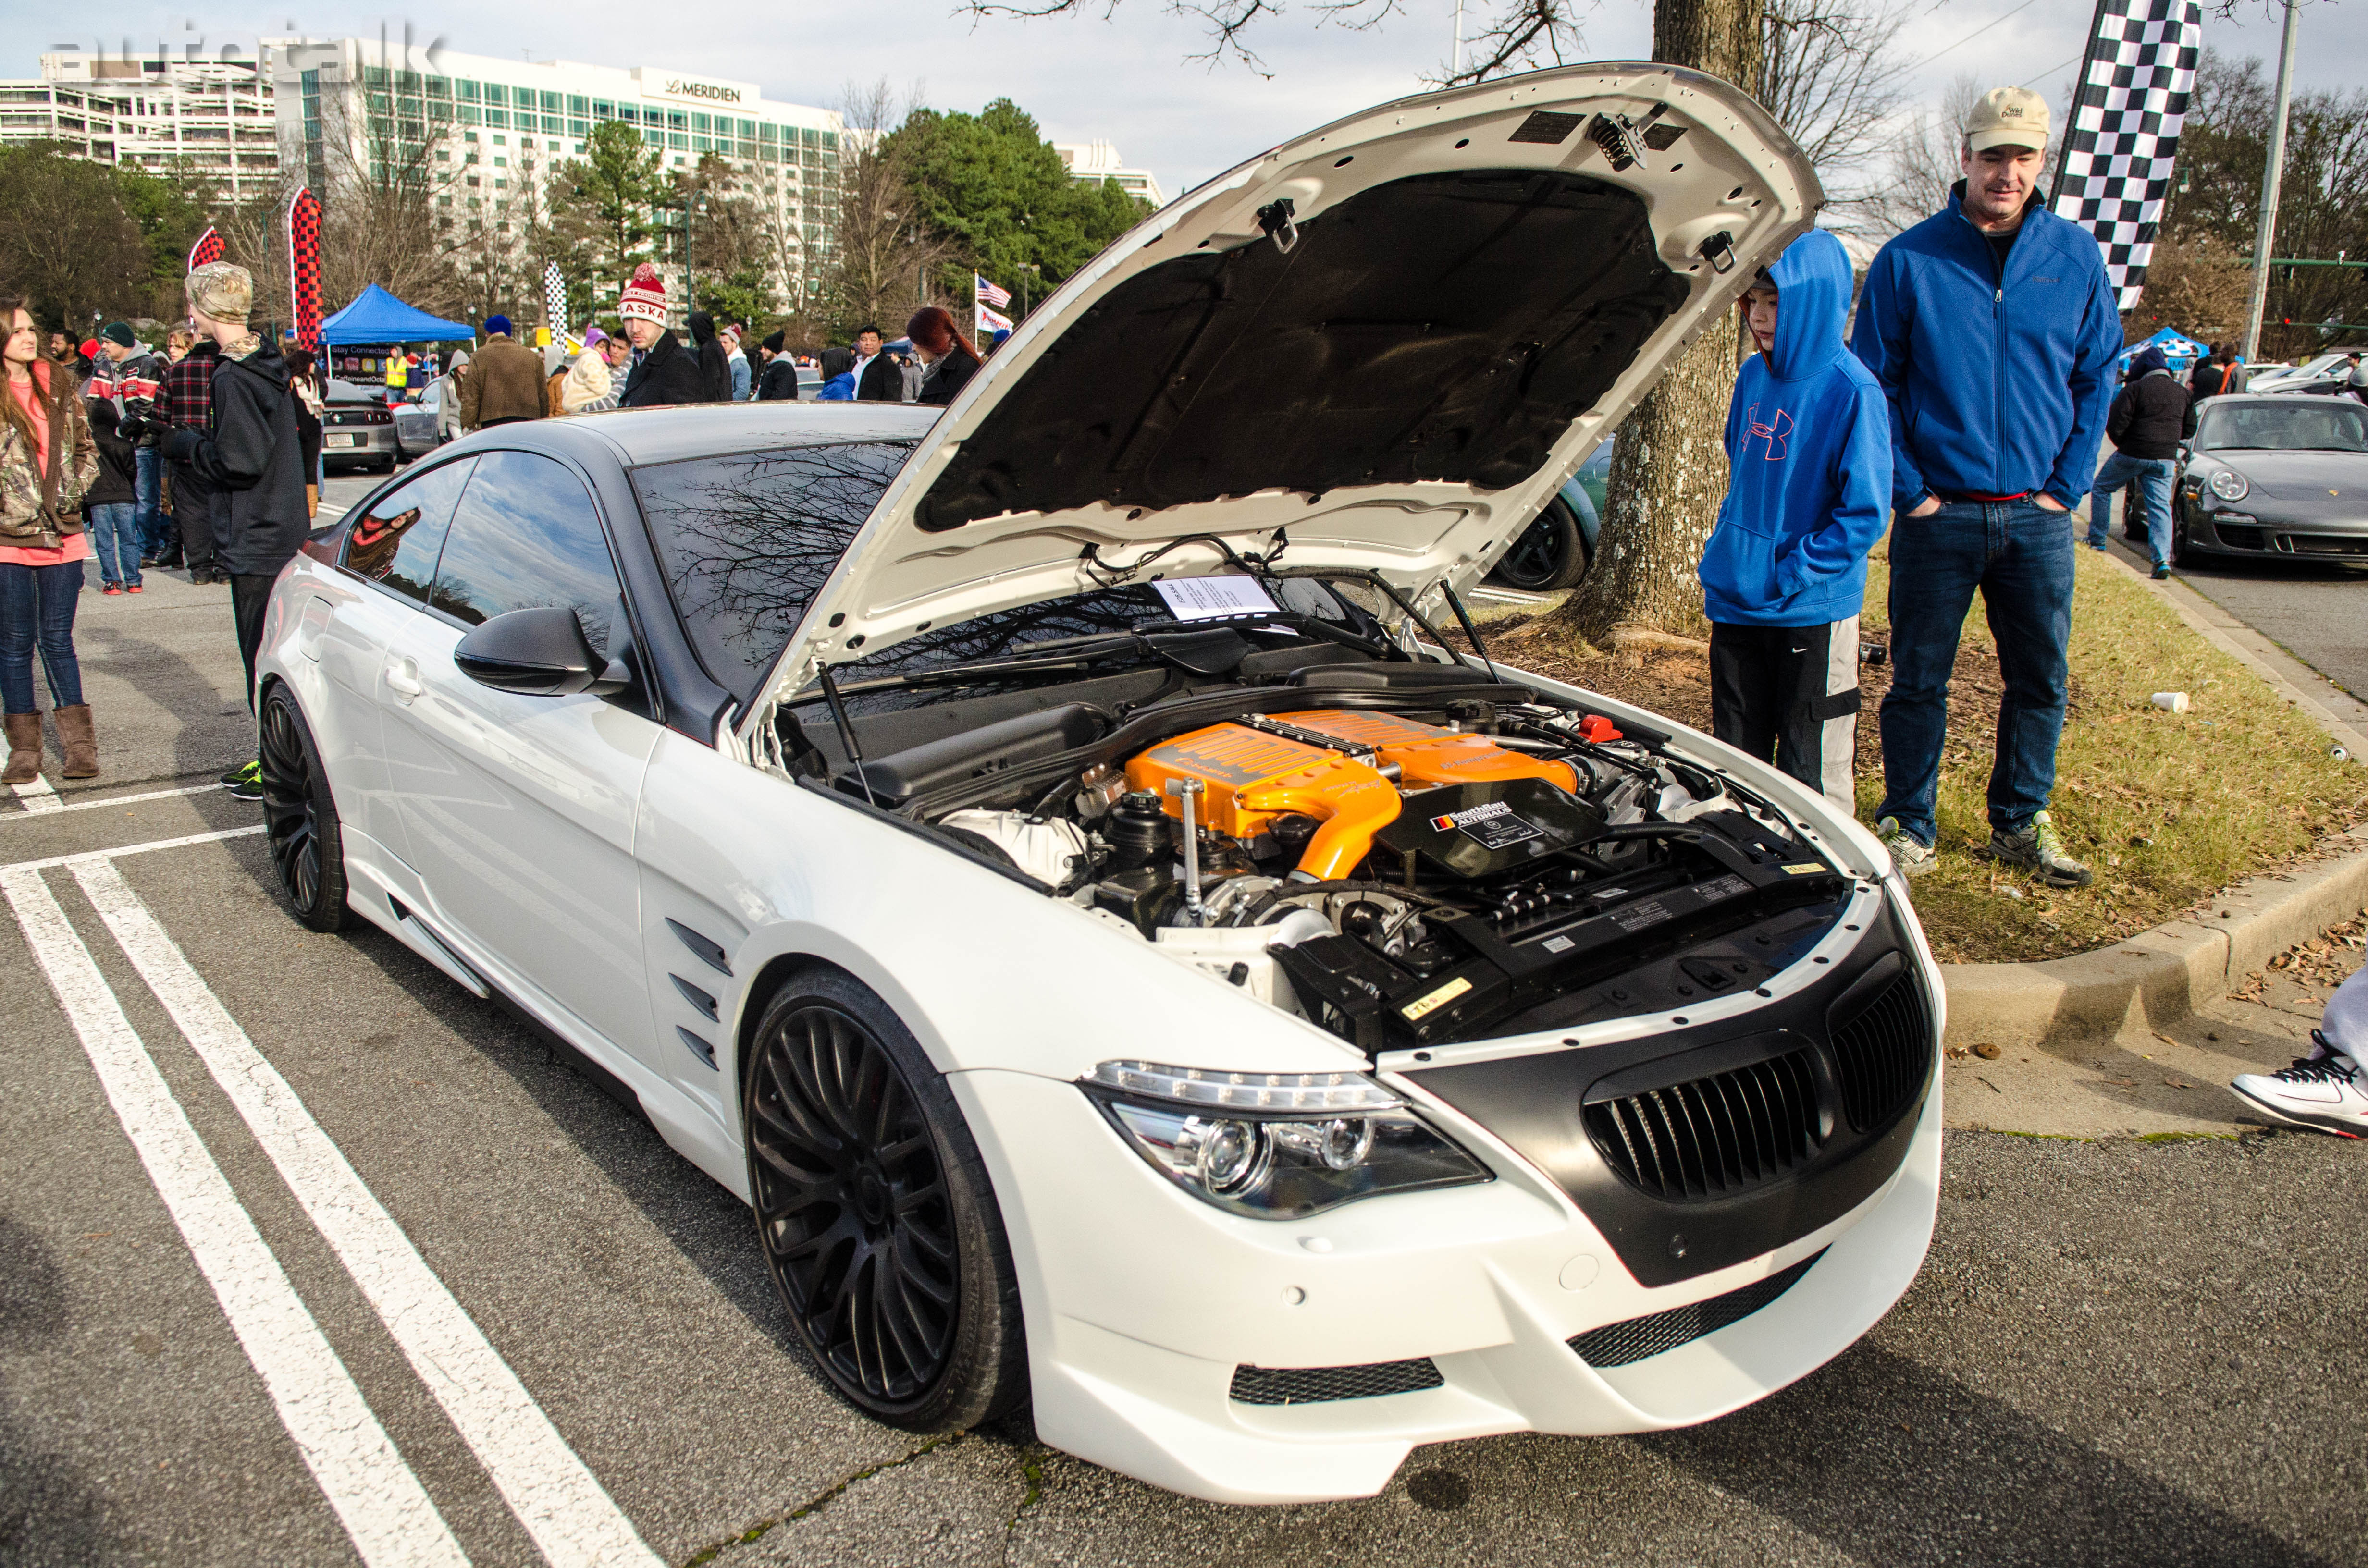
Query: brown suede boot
[
  {"x": 81, "y": 745},
  {"x": 24, "y": 749}
]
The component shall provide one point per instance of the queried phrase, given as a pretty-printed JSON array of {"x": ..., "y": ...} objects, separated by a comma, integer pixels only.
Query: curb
[{"x": 2156, "y": 978}]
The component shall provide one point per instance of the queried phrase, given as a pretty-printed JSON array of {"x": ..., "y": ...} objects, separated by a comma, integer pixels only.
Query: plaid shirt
[{"x": 186, "y": 401}]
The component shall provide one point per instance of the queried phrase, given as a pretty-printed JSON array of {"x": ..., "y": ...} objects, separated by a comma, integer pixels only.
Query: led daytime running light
[{"x": 1284, "y": 1092}]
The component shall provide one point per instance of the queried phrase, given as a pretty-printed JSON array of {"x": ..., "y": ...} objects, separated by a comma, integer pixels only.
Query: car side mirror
[{"x": 538, "y": 651}]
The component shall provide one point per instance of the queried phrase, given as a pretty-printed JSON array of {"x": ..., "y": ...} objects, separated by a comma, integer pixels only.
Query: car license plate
[{"x": 341, "y": 440}]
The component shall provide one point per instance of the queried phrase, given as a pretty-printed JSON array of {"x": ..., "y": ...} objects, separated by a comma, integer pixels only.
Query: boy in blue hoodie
[{"x": 1808, "y": 447}]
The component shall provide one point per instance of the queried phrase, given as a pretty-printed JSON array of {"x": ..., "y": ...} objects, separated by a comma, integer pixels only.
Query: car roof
[{"x": 641, "y": 435}]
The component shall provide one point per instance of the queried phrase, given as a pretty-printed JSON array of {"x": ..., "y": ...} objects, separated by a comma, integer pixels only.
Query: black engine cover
[{"x": 1481, "y": 830}]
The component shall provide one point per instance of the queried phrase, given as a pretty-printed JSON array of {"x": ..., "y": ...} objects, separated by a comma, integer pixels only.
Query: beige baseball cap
[{"x": 2007, "y": 117}]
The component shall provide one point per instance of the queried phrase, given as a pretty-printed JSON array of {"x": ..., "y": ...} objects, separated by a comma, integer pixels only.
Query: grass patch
[{"x": 2167, "y": 808}]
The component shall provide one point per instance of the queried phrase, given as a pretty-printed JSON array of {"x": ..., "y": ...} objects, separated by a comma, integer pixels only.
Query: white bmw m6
[{"x": 1045, "y": 858}]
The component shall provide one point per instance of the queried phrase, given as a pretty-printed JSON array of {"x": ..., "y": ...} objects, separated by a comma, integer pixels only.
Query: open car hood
[{"x": 1381, "y": 346}]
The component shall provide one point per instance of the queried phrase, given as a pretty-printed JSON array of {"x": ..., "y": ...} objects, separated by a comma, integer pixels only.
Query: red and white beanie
[{"x": 645, "y": 296}]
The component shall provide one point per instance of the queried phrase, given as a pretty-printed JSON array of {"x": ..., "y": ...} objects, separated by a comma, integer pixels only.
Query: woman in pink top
[{"x": 47, "y": 461}]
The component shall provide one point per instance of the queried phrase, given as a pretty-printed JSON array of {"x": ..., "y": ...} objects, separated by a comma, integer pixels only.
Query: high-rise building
[
  {"x": 1090, "y": 162},
  {"x": 488, "y": 133},
  {"x": 163, "y": 111}
]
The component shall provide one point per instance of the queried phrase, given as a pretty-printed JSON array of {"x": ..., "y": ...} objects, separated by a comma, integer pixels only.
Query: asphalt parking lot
[{"x": 262, "y": 1182}]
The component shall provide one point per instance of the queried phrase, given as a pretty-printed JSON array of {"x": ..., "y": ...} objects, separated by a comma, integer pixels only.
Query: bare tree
[
  {"x": 885, "y": 250},
  {"x": 1922, "y": 162},
  {"x": 1831, "y": 72}
]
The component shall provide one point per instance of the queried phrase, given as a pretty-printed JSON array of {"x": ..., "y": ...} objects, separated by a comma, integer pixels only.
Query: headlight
[
  {"x": 1276, "y": 1145},
  {"x": 2229, "y": 486}
]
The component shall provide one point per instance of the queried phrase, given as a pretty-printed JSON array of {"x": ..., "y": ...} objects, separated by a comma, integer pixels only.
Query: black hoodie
[
  {"x": 714, "y": 365},
  {"x": 253, "y": 449}
]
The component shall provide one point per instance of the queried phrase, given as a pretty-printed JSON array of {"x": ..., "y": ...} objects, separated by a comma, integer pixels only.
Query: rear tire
[
  {"x": 1550, "y": 554},
  {"x": 300, "y": 824},
  {"x": 875, "y": 1212}
]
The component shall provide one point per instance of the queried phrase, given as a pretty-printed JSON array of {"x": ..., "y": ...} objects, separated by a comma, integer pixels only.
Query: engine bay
[{"x": 1406, "y": 853}]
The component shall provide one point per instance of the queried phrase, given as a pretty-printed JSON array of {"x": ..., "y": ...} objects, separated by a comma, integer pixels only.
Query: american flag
[{"x": 988, "y": 294}]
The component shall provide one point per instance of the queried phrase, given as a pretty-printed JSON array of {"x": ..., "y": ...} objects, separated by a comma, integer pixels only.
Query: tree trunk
[{"x": 1668, "y": 469}]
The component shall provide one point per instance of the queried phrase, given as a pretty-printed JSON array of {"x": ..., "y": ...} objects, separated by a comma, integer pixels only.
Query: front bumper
[
  {"x": 2232, "y": 531},
  {"x": 1142, "y": 1304}
]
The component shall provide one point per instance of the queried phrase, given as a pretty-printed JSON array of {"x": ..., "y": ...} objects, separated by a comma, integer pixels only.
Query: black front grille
[
  {"x": 1312, "y": 1385},
  {"x": 2238, "y": 537},
  {"x": 1881, "y": 1054},
  {"x": 2326, "y": 544},
  {"x": 1617, "y": 1344},
  {"x": 1726, "y": 1134}
]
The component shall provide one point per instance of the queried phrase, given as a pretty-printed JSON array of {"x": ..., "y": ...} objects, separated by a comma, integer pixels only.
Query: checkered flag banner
[
  {"x": 304, "y": 266},
  {"x": 554, "y": 301},
  {"x": 208, "y": 248},
  {"x": 2116, "y": 168}
]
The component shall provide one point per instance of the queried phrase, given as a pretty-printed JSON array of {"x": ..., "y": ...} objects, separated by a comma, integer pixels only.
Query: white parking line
[
  {"x": 56, "y": 805},
  {"x": 183, "y": 842},
  {"x": 41, "y": 795},
  {"x": 561, "y": 1503},
  {"x": 369, "y": 1484}
]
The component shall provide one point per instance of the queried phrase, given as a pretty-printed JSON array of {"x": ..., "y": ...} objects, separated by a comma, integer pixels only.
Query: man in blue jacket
[
  {"x": 1808, "y": 450},
  {"x": 1994, "y": 332}
]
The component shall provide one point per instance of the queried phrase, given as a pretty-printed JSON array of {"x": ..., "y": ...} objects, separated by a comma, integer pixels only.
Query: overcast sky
[{"x": 1128, "y": 80}]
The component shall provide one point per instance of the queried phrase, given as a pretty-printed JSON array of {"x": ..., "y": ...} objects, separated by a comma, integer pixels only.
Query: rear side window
[
  {"x": 527, "y": 534},
  {"x": 747, "y": 541},
  {"x": 395, "y": 543}
]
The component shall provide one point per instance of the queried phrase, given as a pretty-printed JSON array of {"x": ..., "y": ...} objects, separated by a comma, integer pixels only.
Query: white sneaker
[
  {"x": 1910, "y": 853},
  {"x": 2325, "y": 1089}
]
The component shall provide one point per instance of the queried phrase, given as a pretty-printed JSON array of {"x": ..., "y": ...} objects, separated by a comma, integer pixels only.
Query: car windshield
[
  {"x": 2303, "y": 426},
  {"x": 747, "y": 541}
]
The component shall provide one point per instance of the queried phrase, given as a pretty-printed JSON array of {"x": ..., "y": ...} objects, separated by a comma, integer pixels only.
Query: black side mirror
[{"x": 541, "y": 651}]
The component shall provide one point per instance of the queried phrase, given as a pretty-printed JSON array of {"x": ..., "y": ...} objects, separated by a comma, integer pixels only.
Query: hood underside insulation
[{"x": 1446, "y": 328}]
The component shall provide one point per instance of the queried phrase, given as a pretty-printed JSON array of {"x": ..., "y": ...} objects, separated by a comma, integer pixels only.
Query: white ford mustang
[{"x": 1042, "y": 857}]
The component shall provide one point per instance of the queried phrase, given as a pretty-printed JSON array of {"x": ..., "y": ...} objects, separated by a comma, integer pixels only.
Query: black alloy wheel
[
  {"x": 300, "y": 822},
  {"x": 2182, "y": 555},
  {"x": 1551, "y": 553},
  {"x": 878, "y": 1221}
]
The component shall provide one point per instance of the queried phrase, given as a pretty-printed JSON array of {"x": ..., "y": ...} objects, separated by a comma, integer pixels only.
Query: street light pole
[
  {"x": 1456, "y": 68},
  {"x": 2265, "y": 235}
]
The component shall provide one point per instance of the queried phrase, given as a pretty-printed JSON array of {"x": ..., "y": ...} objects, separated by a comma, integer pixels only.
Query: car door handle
[{"x": 401, "y": 681}]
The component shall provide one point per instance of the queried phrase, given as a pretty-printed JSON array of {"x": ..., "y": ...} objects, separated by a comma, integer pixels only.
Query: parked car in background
[
  {"x": 419, "y": 427},
  {"x": 2323, "y": 374},
  {"x": 357, "y": 430},
  {"x": 2275, "y": 475},
  {"x": 1555, "y": 550}
]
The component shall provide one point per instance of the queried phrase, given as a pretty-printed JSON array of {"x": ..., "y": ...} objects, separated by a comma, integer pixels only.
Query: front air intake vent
[
  {"x": 1715, "y": 1136},
  {"x": 1619, "y": 1344},
  {"x": 1314, "y": 1385},
  {"x": 1881, "y": 1054}
]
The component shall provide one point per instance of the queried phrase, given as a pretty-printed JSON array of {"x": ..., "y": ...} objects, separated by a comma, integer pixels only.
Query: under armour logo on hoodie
[{"x": 1773, "y": 434}]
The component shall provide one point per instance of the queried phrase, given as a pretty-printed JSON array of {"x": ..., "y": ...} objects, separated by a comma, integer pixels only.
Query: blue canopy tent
[
  {"x": 2181, "y": 350},
  {"x": 377, "y": 316}
]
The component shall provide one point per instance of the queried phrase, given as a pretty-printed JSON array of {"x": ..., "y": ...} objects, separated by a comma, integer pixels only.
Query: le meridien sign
[{"x": 713, "y": 92}]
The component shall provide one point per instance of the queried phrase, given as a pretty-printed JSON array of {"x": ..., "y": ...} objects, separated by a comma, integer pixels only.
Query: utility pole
[
  {"x": 1456, "y": 68},
  {"x": 2265, "y": 235}
]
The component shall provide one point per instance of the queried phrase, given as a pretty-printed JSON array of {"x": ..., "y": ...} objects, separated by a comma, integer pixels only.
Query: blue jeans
[
  {"x": 117, "y": 541},
  {"x": 148, "y": 488},
  {"x": 2153, "y": 476},
  {"x": 37, "y": 608},
  {"x": 2019, "y": 555}
]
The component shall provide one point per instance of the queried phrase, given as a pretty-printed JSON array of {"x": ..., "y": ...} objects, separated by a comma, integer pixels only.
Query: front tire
[
  {"x": 876, "y": 1215},
  {"x": 300, "y": 822},
  {"x": 1550, "y": 554}
]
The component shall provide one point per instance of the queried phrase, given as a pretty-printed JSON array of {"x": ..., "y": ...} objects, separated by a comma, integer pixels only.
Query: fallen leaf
[{"x": 1986, "y": 1052}]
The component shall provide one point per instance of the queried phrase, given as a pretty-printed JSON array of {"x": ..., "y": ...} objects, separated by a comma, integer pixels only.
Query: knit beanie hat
[
  {"x": 645, "y": 296},
  {"x": 118, "y": 333},
  {"x": 224, "y": 291},
  {"x": 497, "y": 324}
]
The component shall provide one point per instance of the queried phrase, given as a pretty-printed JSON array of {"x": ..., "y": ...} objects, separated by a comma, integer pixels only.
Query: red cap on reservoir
[{"x": 1595, "y": 729}]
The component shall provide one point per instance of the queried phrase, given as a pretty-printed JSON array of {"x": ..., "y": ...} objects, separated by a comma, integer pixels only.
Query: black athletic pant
[
  {"x": 250, "y": 594},
  {"x": 194, "y": 500},
  {"x": 1789, "y": 695}
]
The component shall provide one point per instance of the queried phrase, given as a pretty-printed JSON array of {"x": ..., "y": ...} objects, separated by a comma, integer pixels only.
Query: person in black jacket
[
  {"x": 252, "y": 451},
  {"x": 714, "y": 364},
  {"x": 951, "y": 359},
  {"x": 664, "y": 371},
  {"x": 2144, "y": 426},
  {"x": 779, "y": 383},
  {"x": 878, "y": 377},
  {"x": 110, "y": 507}
]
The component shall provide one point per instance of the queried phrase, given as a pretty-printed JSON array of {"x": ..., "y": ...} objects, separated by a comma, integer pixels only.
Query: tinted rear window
[{"x": 746, "y": 541}]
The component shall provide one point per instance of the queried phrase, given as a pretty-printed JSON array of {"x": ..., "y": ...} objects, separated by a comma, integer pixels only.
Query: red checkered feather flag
[
  {"x": 210, "y": 247},
  {"x": 304, "y": 266}
]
